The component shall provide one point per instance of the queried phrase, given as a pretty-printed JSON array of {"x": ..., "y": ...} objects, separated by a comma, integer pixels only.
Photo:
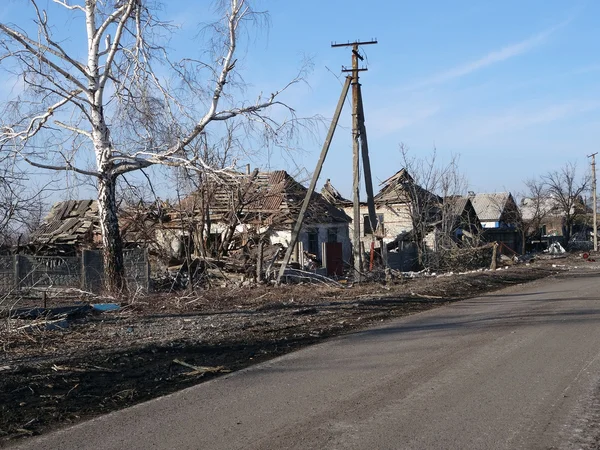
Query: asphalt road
[{"x": 515, "y": 369}]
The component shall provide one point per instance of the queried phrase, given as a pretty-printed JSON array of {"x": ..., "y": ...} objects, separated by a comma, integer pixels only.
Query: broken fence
[{"x": 86, "y": 272}]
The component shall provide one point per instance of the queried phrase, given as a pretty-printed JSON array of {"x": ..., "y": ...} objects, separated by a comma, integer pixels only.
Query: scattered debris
[
  {"x": 105, "y": 307},
  {"x": 49, "y": 313},
  {"x": 588, "y": 258}
]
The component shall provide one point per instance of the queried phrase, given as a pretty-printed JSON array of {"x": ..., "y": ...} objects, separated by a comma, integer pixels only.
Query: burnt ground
[{"x": 57, "y": 373}]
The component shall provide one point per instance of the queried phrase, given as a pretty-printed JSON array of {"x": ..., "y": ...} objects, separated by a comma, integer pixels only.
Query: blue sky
[{"x": 512, "y": 87}]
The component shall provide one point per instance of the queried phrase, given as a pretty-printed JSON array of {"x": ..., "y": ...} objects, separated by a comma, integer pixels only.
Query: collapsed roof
[
  {"x": 401, "y": 188},
  {"x": 68, "y": 223},
  {"x": 262, "y": 198}
]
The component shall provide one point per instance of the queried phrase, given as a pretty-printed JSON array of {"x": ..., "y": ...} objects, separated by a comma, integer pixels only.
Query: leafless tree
[
  {"x": 535, "y": 206},
  {"x": 106, "y": 109},
  {"x": 452, "y": 188},
  {"x": 21, "y": 206},
  {"x": 431, "y": 190},
  {"x": 565, "y": 188}
]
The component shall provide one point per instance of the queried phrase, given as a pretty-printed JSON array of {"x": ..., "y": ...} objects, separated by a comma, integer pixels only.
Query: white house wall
[
  {"x": 284, "y": 237},
  {"x": 343, "y": 236},
  {"x": 490, "y": 224},
  {"x": 396, "y": 220}
]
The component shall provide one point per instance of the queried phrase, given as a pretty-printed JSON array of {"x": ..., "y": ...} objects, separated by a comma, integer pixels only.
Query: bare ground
[{"x": 51, "y": 376}]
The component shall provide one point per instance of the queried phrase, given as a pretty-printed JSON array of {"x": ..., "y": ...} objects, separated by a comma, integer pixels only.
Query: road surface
[{"x": 519, "y": 368}]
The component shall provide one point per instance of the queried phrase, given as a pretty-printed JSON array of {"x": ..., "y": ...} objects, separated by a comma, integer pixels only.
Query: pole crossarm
[{"x": 352, "y": 44}]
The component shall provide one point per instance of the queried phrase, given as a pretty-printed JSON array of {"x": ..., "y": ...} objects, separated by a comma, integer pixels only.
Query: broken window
[{"x": 367, "y": 224}]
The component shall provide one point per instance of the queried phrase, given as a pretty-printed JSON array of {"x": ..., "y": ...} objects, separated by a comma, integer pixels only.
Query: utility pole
[
  {"x": 358, "y": 137},
  {"x": 593, "y": 156},
  {"x": 359, "y": 140}
]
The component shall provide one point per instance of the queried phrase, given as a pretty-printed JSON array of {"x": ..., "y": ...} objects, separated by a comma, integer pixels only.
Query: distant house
[
  {"x": 544, "y": 219},
  {"x": 457, "y": 223},
  {"x": 495, "y": 210},
  {"x": 544, "y": 215},
  {"x": 461, "y": 214},
  {"x": 499, "y": 217}
]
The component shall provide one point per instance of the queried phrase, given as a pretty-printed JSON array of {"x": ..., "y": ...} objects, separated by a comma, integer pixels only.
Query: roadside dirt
[{"x": 52, "y": 376}]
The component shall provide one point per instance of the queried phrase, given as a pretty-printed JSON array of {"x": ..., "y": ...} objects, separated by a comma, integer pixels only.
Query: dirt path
[{"x": 55, "y": 377}]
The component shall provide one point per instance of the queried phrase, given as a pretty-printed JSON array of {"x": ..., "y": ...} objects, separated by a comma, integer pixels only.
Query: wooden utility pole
[
  {"x": 359, "y": 134},
  {"x": 359, "y": 137},
  {"x": 593, "y": 156}
]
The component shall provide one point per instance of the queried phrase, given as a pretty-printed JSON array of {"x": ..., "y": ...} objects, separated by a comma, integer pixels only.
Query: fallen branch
[
  {"x": 37, "y": 323},
  {"x": 311, "y": 276},
  {"x": 201, "y": 370},
  {"x": 436, "y": 297},
  {"x": 58, "y": 368}
]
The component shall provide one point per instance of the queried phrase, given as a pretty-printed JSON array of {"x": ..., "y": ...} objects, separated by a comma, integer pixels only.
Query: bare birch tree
[{"x": 105, "y": 108}]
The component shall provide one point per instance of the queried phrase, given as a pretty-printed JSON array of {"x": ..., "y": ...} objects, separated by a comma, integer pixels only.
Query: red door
[{"x": 335, "y": 261}]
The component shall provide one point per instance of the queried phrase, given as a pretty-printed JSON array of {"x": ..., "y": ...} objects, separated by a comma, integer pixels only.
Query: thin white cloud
[
  {"x": 584, "y": 70},
  {"x": 492, "y": 57},
  {"x": 477, "y": 130}
]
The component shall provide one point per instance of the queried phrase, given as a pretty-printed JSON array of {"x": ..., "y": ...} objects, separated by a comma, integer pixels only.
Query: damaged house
[
  {"x": 63, "y": 251},
  {"x": 69, "y": 227},
  {"x": 73, "y": 225},
  {"x": 410, "y": 219},
  {"x": 226, "y": 215},
  {"x": 392, "y": 209},
  {"x": 235, "y": 213},
  {"x": 457, "y": 224},
  {"x": 545, "y": 221}
]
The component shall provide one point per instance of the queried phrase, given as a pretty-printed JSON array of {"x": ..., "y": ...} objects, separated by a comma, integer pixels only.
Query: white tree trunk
[{"x": 111, "y": 237}]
